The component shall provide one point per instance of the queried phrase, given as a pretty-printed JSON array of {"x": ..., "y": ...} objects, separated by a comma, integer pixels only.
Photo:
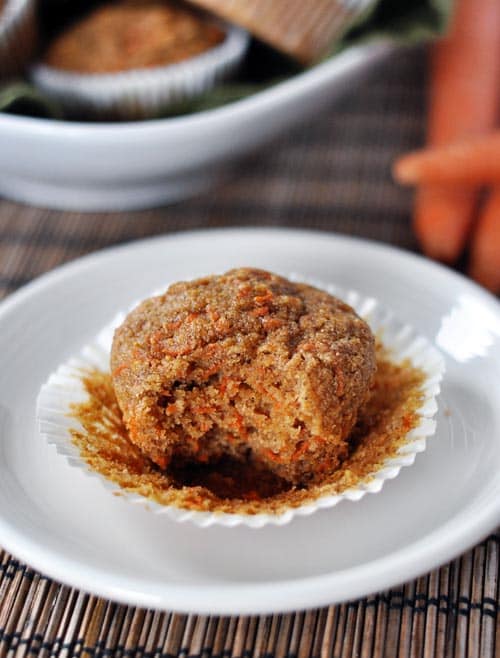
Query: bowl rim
[{"x": 278, "y": 94}]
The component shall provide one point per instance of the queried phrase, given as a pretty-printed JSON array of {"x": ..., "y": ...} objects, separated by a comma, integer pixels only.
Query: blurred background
[
  {"x": 301, "y": 117},
  {"x": 331, "y": 173}
]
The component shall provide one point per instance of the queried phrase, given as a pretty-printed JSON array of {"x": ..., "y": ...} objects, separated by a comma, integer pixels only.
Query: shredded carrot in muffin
[{"x": 236, "y": 487}]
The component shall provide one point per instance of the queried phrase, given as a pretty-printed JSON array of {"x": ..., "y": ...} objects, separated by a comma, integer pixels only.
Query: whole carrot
[
  {"x": 474, "y": 161},
  {"x": 485, "y": 247},
  {"x": 463, "y": 101}
]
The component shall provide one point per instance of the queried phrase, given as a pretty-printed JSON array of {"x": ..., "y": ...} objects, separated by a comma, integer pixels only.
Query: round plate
[{"x": 66, "y": 525}]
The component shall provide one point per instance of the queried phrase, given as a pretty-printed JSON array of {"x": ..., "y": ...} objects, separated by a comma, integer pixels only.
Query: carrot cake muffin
[
  {"x": 132, "y": 34},
  {"x": 246, "y": 365}
]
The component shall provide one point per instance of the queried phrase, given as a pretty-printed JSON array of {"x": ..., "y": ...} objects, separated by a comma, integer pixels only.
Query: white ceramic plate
[
  {"x": 66, "y": 525},
  {"x": 118, "y": 166}
]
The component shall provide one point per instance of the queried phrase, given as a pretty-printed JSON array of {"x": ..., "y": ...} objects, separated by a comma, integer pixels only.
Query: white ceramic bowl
[{"x": 119, "y": 166}]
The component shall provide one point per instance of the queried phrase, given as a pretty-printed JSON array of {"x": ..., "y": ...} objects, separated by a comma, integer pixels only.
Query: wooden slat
[
  {"x": 490, "y": 619},
  {"x": 330, "y": 632}
]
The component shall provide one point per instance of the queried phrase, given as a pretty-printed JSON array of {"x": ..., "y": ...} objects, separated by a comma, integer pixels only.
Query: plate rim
[
  {"x": 260, "y": 597},
  {"x": 40, "y": 281}
]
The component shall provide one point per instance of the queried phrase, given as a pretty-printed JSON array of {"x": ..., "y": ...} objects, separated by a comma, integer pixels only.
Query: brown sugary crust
[
  {"x": 132, "y": 34},
  {"x": 246, "y": 365}
]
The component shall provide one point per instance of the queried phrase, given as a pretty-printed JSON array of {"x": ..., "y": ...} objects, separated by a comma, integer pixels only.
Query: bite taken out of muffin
[{"x": 246, "y": 365}]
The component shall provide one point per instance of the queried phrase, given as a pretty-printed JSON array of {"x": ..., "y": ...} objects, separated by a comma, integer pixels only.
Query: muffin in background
[
  {"x": 18, "y": 35},
  {"x": 131, "y": 35},
  {"x": 304, "y": 30},
  {"x": 132, "y": 60}
]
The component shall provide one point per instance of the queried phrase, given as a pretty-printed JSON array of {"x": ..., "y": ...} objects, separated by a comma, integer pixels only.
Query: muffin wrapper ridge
[
  {"x": 64, "y": 387},
  {"x": 18, "y": 36},
  {"x": 143, "y": 93}
]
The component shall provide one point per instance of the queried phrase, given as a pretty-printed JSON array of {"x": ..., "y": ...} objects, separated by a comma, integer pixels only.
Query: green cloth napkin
[
  {"x": 404, "y": 21},
  {"x": 401, "y": 21}
]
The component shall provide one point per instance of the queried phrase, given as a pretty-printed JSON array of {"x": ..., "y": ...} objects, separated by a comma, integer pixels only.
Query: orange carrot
[
  {"x": 259, "y": 311},
  {"x": 273, "y": 456},
  {"x": 300, "y": 450},
  {"x": 485, "y": 248},
  {"x": 442, "y": 221},
  {"x": 272, "y": 323},
  {"x": 204, "y": 409},
  {"x": 263, "y": 299},
  {"x": 464, "y": 85},
  {"x": 119, "y": 369},
  {"x": 473, "y": 162}
]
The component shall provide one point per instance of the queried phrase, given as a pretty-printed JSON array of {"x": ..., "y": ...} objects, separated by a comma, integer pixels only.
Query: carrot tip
[{"x": 403, "y": 171}]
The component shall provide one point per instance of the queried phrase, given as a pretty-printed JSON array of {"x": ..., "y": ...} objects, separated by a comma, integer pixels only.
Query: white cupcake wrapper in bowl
[
  {"x": 64, "y": 387},
  {"x": 143, "y": 93},
  {"x": 18, "y": 35}
]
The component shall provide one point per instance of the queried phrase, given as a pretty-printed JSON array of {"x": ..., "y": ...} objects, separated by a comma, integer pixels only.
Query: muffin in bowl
[
  {"x": 131, "y": 35},
  {"x": 134, "y": 59}
]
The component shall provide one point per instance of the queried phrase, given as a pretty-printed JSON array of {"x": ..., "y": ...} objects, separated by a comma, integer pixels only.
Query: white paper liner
[
  {"x": 17, "y": 35},
  {"x": 143, "y": 93},
  {"x": 64, "y": 387}
]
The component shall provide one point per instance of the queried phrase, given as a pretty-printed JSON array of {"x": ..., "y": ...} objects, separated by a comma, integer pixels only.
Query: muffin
[
  {"x": 18, "y": 35},
  {"x": 134, "y": 59},
  {"x": 132, "y": 35},
  {"x": 305, "y": 30},
  {"x": 246, "y": 365}
]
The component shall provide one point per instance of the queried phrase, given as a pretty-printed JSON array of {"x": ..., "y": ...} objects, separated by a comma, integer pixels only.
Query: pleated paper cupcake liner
[
  {"x": 65, "y": 388},
  {"x": 18, "y": 36},
  {"x": 143, "y": 93}
]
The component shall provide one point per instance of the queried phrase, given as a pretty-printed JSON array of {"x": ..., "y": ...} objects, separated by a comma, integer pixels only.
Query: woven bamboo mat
[{"x": 333, "y": 175}]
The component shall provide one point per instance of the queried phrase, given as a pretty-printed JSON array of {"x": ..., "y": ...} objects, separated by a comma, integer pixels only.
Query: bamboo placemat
[{"x": 332, "y": 174}]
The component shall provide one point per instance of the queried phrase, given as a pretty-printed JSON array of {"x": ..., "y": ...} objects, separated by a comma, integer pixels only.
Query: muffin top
[{"x": 132, "y": 34}]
